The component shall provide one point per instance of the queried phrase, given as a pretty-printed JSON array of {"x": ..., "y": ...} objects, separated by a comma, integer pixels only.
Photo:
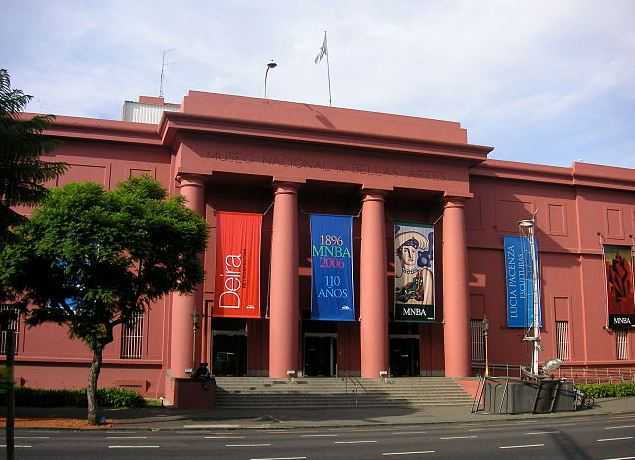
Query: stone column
[
  {"x": 456, "y": 308},
  {"x": 183, "y": 306},
  {"x": 373, "y": 295},
  {"x": 284, "y": 312}
]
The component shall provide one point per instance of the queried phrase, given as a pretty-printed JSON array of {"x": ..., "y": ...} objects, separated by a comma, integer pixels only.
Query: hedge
[
  {"x": 106, "y": 397},
  {"x": 608, "y": 390}
]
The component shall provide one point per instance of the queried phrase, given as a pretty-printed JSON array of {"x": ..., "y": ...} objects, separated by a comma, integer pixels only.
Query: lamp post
[
  {"x": 271, "y": 65},
  {"x": 485, "y": 329},
  {"x": 527, "y": 227},
  {"x": 196, "y": 323}
]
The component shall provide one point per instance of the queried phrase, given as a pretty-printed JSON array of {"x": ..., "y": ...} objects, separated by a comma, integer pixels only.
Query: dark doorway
[
  {"x": 230, "y": 355},
  {"x": 320, "y": 356},
  {"x": 404, "y": 357}
]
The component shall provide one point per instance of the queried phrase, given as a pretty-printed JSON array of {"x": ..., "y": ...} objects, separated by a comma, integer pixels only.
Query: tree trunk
[{"x": 91, "y": 391}]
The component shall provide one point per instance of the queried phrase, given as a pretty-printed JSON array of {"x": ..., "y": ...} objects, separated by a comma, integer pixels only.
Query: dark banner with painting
[
  {"x": 332, "y": 267},
  {"x": 414, "y": 273},
  {"x": 618, "y": 261}
]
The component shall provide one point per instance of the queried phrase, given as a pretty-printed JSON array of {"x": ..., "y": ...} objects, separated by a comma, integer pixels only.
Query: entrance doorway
[
  {"x": 320, "y": 355},
  {"x": 404, "y": 355},
  {"x": 230, "y": 354}
]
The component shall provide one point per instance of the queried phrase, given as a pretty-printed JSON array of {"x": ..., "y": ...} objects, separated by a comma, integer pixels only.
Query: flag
[{"x": 323, "y": 50}]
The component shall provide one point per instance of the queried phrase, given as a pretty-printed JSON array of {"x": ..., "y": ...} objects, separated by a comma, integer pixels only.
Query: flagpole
[{"x": 328, "y": 68}]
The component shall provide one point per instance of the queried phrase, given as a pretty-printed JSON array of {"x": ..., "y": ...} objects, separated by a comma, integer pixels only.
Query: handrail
[
  {"x": 356, "y": 384},
  {"x": 579, "y": 374}
]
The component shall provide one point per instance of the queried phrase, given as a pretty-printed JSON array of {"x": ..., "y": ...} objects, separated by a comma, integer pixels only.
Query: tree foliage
[
  {"x": 22, "y": 172},
  {"x": 92, "y": 259}
]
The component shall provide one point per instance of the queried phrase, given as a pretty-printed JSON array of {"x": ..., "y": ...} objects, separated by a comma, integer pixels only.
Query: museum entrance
[
  {"x": 320, "y": 354},
  {"x": 230, "y": 353},
  {"x": 404, "y": 356}
]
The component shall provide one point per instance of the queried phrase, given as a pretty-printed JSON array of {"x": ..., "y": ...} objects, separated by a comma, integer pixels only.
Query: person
[
  {"x": 414, "y": 281},
  {"x": 203, "y": 374}
]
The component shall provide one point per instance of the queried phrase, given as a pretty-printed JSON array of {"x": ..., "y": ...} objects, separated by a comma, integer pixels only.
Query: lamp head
[
  {"x": 526, "y": 223},
  {"x": 272, "y": 65}
]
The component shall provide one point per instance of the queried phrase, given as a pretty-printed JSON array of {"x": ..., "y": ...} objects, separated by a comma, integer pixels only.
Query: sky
[{"x": 547, "y": 82}]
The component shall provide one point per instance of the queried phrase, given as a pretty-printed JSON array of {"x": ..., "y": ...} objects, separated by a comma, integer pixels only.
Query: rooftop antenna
[{"x": 164, "y": 66}]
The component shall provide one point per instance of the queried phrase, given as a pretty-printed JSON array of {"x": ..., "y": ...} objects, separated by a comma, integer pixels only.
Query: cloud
[{"x": 522, "y": 76}]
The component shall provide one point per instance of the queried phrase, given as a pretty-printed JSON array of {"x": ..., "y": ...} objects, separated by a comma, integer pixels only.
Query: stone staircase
[{"x": 337, "y": 393}]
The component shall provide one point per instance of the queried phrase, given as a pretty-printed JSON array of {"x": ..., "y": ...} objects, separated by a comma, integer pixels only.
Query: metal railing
[
  {"x": 577, "y": 374},
  {"x": 356, "y": 386}
]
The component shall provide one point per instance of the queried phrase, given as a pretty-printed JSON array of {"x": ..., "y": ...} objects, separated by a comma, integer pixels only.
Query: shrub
[
  {"x": 106, "y": 397},
  {"x": 608, "y": 390}
]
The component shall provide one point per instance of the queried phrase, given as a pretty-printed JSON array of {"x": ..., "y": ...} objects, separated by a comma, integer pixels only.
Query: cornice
[{"x": 176, "y": 122}]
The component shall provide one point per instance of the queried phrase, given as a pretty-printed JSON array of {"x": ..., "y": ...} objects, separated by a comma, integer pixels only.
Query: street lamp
[
  {"x": 271, "y": 65},
  {"x": 527, "y": 229},
  {"x": 196, "y": 324},
  {"x": 485, "y": 329}
]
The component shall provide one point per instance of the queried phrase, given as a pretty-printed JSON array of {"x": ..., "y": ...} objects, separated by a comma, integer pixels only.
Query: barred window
[
  {"x": 478, "y": 344},
  {"x": 132, "y": 338},
  {"x": 621, "y": 341},
  {"x": 14, "y": 325},
  {"x": 562, "y": 340}
]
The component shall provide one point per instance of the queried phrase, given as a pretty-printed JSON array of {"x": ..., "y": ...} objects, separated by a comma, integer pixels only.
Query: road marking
[
  {"x": 408, "y": 432},
  {"x": 119, "y": 432},
  {"x": 224, "y": 437},
  {"x": 354, "y": 442},
  {"x": 319, "y": 436},
  {"x": 126, "y": 437},
  {"x": 459, "y": 437},
  {"x": 621, "y": 417},
  {"x": 276, "y": 431},
  {"x": 619, "y": 427},
  {"x": 16, "y": 446},
  {"x": 32, "y": 437},
  {"x": 198, "y": 427},
  {"x": 519, "y": 447},
  {"x": 410, "y": 453},
  {"x": 133, "y": 447},
  {"x": 614, "y": 439},
  {"x": 279, "y": 458},
  {"x": 541, "y": 432},
  {"x": 619, "y": 458},
  {"x": 247, "y": 445}
]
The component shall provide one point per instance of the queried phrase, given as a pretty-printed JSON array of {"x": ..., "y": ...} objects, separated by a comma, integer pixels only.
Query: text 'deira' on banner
[
  {"x": 520, "y": 282},
  {"x": 332, "y": 268},
  {"x": 414, "y": 273},
  {"x": 237, "y": 284},
  {"x": 618, "y": 261}
]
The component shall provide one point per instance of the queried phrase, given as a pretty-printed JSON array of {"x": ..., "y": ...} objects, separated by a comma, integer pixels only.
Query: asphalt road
[{"x": 598, "y": 437}]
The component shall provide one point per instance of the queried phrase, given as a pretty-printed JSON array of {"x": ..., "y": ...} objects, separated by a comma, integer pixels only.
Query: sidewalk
[{"x": 173, "y": 419}]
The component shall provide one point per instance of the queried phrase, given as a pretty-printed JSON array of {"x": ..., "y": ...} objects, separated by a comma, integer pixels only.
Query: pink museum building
[{"x": 285, "y": 162}]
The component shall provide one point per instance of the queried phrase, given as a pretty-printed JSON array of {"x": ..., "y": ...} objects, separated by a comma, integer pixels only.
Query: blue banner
[
  {"x": 520, "y": 282},
  {"x": 332, "y": 266}
]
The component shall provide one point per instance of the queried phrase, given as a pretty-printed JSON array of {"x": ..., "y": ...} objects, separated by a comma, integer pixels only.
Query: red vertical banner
[{"x": 237, "y": 284}]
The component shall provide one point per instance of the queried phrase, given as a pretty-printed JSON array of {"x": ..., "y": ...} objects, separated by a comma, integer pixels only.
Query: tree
[
  {"x": 92, "y": 260},
  {"x": 22, "y": 172}
]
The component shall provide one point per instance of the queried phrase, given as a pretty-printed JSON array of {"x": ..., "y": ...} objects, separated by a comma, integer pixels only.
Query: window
[
  {"x": 14, "y": 326},
  {"x": 132, "y": 338},
  {"x": 621, "y": 340},
  {"x": 562, "y": 340},
  {"x": 478, "y": 345}
]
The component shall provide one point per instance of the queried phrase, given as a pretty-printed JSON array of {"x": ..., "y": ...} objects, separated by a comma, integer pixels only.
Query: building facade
[{"x": 286, "y": 163}]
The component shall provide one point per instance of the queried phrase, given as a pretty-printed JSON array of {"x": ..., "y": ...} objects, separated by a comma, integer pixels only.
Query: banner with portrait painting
[
  {"x": 332, "y": 295},
  {"x": 237, "y": 284},
  {"x": 618, "y": 262},
  {"x": 414, "y": 273}
]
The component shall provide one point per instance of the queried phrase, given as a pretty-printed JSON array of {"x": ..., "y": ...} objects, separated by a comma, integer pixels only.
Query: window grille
[
  {"x": 14, "y": 325},
  {"x": 478, "y": 343},
  {"x": 621, "y": 339},
  {"x": 562, "y": 340},
  {"x": 132, "y": 338}
]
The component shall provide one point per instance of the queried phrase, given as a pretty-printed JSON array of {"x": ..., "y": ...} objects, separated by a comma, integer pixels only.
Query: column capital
[
  {"x": 190, "y": 180},
  {"x": 454, "y": 201},
  {"x": 371, "y": 194},
  {"x": 283, "y": 187}
]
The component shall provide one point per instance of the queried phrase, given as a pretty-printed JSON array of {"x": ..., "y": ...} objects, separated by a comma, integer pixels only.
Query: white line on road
[
  {"x": 542, "y": 432},
  {"x": 354, "y": 442},
  {"x": 32, "y": 437},
  {"x": 623, "y": 416},
  {"x": 619, "y": 458},
  {"x": 319, "y": 436},
  {"x": 408, "y": 432},
  {"x": 459, "y": 437},
  {"x": 16, "y": 446},
  {"x": 247, "y": 445},
  {"x": 133, "y": 447},
  {"x": 198, "y": 427},
  {"x": 279, "y": 458},
  {"x": 614, "y": 439},
  {"x": 619, "y": 427},
  {"x": 410, "y": 453},
  {"x": 224, "y": 437},
  {"x": 519, "y": 447},
  {"x": 126, "y": 437}
]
